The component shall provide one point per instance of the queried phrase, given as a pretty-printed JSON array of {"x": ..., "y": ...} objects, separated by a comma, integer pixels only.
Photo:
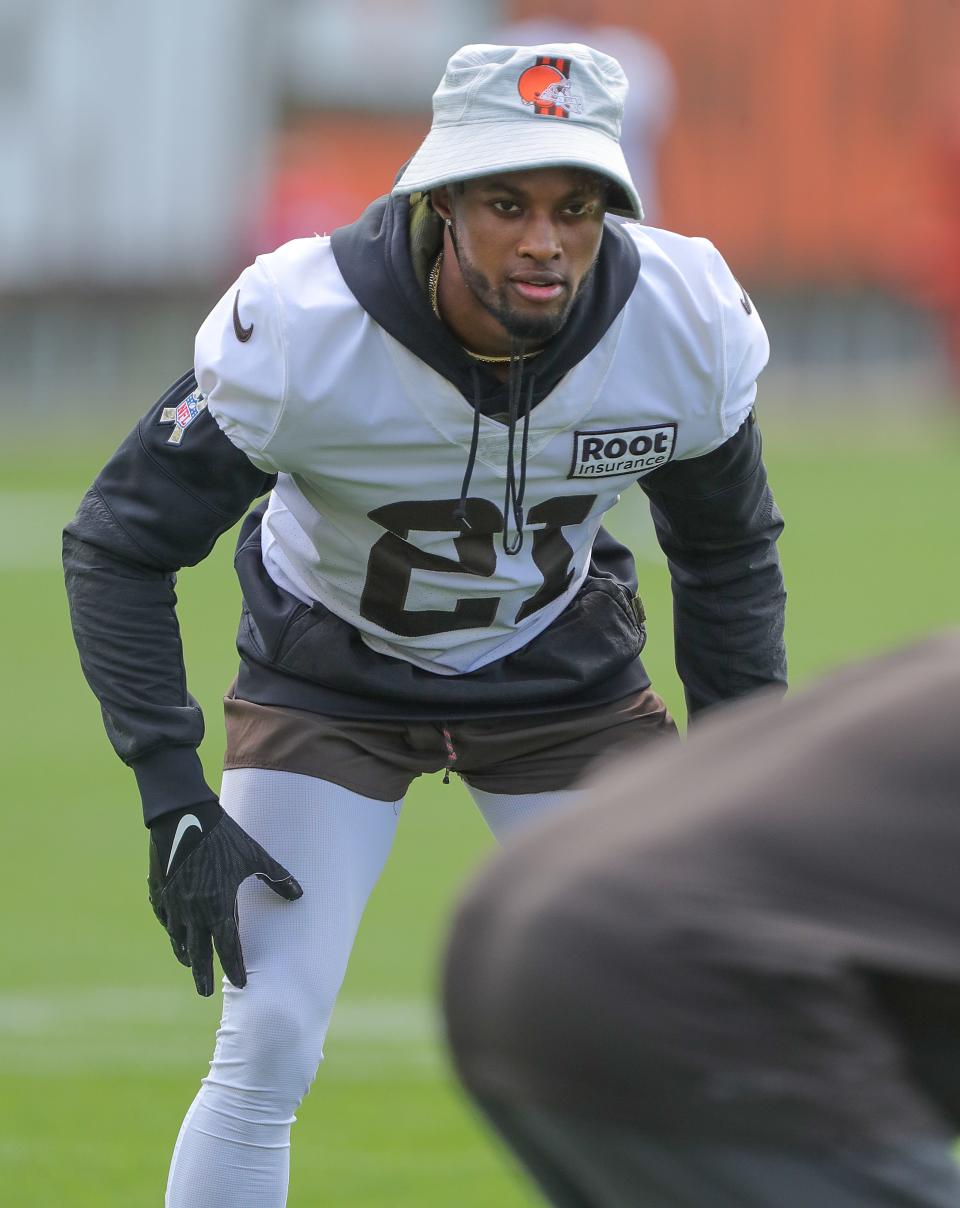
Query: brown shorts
[{"x": 379, "y": 759}]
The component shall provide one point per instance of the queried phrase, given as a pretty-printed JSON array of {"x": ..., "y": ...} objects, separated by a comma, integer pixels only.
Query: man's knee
[{"x": 271, "y": 1040}]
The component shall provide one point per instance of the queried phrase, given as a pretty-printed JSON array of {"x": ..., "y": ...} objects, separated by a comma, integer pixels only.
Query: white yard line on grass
[
  {"x": 31, "y": 1013},
  {"x": 129, "y": 1028}
]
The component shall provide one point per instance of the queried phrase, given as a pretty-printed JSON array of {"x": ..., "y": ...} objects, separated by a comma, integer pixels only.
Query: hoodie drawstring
[
  {"x": 515, "y": 489},
  {"x": 460, "y": 511},
  {"x": 514, "y": 494}
]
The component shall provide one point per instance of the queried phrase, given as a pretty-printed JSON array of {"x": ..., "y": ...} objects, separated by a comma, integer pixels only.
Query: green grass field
[{"x": 102, "y": 1039}]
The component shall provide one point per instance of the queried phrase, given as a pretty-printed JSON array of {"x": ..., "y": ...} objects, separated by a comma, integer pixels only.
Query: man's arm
[
  {"x": 717, "y": 523},
  {"x": 155, "y": 507},
  {"x": 171, "y": 489}
]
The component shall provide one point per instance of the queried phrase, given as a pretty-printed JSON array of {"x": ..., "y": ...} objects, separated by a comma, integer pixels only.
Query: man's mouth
[{"x": 538, "y": 287}]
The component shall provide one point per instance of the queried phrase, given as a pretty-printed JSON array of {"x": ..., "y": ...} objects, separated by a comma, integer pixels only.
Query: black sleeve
[
  {"x": 717, "y": 523},
  {"x": 156, "y": 506}
]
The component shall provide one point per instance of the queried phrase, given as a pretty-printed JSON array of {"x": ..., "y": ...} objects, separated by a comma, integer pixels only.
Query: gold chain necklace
[{"x": 433, "y": 284}]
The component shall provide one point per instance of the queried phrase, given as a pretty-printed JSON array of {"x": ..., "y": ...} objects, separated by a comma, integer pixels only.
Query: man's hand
[{"x": 198, "y": 859}]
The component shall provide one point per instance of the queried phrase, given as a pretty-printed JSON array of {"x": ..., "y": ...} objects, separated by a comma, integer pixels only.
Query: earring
[{"x": 449, "y": 222}]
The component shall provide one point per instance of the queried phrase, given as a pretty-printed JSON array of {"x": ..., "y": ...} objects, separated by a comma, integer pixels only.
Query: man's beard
[{"x": 519, "y": 325}]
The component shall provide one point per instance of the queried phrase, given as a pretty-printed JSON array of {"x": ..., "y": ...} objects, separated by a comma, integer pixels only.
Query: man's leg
[
  {"x": 502, "y": 812},
  {"x": 233, "y": 1148}
]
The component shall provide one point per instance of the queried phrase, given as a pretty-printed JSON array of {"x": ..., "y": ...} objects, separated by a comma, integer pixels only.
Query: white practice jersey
[{"x": 370, "y": 445}]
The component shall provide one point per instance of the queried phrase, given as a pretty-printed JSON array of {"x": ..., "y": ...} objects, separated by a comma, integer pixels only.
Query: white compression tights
[{"x": 233, "y": 1148}]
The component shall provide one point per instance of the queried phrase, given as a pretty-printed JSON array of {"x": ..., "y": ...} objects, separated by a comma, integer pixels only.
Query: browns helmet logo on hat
[{"x": 546, "y": 86}]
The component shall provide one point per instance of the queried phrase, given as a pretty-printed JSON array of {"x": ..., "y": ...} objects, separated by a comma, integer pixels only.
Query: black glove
[{"x": 198, "y": 858}]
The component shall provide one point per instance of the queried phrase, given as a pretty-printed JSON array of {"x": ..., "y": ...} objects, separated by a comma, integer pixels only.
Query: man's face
[{"x": 525, "y": 243}]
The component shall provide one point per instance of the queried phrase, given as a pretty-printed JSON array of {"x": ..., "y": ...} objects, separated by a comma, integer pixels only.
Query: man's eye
[
  {"x": 580, "y": 208},
  {"x": 506, "y": 207}
]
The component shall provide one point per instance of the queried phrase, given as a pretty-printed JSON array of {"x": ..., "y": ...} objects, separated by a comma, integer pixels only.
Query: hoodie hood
[{"x": 375, "y": 257}]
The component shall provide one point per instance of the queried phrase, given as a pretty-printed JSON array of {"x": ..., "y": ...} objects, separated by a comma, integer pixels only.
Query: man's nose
[{"x": 540, "y": 239}]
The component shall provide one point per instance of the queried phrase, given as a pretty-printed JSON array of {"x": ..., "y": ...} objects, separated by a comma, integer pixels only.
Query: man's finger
[
  {"x": 179, "y": 950},
  {"x": 227, "y": 939},
  {"x": 282, "y": 882},
  {"x": 178, "y": 940},
  {"x": 200, "y": 948}
]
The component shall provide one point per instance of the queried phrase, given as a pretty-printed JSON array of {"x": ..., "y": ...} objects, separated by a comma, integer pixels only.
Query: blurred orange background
[{"x": 809, "y": 138}]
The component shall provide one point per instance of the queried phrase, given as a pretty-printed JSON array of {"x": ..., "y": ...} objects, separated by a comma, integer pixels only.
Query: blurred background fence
[{"x": 148, "y": 151}]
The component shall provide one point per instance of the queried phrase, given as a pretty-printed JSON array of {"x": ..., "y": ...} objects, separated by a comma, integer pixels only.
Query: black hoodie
[{"x": 156, "y": 507}]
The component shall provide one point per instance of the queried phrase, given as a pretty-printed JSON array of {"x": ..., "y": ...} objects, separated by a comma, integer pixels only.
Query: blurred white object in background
[
  {"x": 376, "y": 55},
  {"x": 133, "y": 138}
]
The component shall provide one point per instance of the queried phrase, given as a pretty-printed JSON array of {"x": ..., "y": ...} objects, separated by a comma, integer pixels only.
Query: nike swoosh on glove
[{"x": 199, "y": 857}]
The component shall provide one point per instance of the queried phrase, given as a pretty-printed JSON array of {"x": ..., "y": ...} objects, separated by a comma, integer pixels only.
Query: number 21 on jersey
[{"x": 393, "y": 559}]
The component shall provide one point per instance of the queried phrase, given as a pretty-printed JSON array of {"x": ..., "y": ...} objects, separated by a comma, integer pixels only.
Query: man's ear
[{"x": 440, "y": 200}]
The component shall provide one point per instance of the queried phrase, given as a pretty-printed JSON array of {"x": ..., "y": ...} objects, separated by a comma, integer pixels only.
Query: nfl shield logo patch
[{"x": 183, "y": 415}]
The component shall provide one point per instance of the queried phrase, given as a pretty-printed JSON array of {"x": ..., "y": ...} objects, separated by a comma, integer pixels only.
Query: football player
[
  {"x": 440, "y": 402},
  {"x": 743, "y": 989}
]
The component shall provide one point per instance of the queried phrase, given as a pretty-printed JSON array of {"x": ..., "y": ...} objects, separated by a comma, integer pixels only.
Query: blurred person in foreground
[
  {"x": 734, "y": 977},
  {"x": 650, "y": 101},
  {"x": 442, "y": 401}
]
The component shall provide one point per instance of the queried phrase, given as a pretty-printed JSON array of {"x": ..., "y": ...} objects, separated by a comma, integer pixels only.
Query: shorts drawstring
[{"x": 451, "y": 752}]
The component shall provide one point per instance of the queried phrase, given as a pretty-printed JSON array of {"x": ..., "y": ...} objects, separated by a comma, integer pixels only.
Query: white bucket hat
[{"x": 511, "y": 108}]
